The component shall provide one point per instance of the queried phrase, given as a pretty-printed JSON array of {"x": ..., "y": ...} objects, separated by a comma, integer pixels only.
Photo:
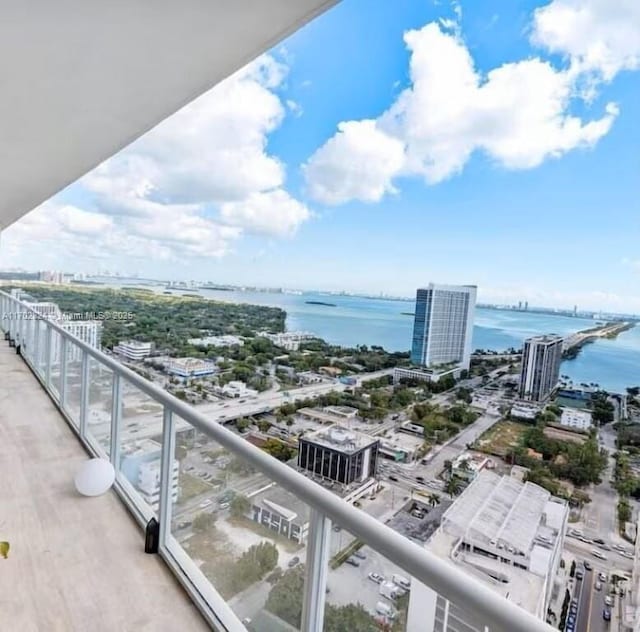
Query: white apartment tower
[
  {"x": 443, "y": 325},
  {"x": 541, "y": 359}
]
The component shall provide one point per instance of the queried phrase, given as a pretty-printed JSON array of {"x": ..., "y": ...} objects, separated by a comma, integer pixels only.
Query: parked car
[
  {"x": 626, "y": 554},
  {"x": 401, "y": 581},
  {"x": 608, "y": 600},
  {"x": 416, "y": 513},
  {"x": 337, "y": 528},
  {"x": 605, "y": 547},
  {"x": 420, "y": 479},
  {"x": 376, "y": 578},
  {"x": 598, "y": 541},
  {"x": 360, "y": 555},
  {"x": 587, "y": 565},
  {"x": 606, "y": 614},
  {"x": 571, "y": 620},
  {"x": 598, "y": 586},
  {"x": 598, "y": 554},
  {"x": 393, "y": 478},
  {"x": 579, "y": 574},
  {"x": 352, "y": 561},
  {"x": 294, "y": 561},
  {"x": 602, "y": 576}
]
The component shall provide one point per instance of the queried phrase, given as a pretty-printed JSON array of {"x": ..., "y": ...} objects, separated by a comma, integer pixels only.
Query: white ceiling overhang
[{"x": 79, "y": 80}]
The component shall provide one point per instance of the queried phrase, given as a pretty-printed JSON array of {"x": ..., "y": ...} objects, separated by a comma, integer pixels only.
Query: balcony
[{"x": 83, "y": 557}]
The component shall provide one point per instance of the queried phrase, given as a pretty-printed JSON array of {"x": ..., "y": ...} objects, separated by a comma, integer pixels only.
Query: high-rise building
[
  {"x": 443, "y": 325},
  {"x": 541, "y": 358}
]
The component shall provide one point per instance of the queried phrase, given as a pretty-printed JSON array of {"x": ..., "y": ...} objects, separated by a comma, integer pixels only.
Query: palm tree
[
  {"x": 464, "y": 466},
  {"x": 448, "y": 467},
  {"x": 434, "y": 500},
  {"x": 453, "y": 486}
]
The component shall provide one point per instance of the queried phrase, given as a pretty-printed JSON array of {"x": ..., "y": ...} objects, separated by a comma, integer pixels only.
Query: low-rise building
[
  {"x": 133, "y": 349},
  {"x": 190, "y": 367},
  {"x": 525, "y": 410},
  {"x": 309, "y": 377},
  {"x": 217, "y": 341},
  {"x": 141, "y": 465},
  {"x": 282, "y": 512},
  {"x": 468, "y": 465},
  {"x": 237, "y": 389},
  {"x": 415, "y": 374},
  {"x": 504, "y": 533},
  {"x": 345, "y": 412},
  {"x": 339, "y": 455},
  {"x": 577, "y": 419},
  {"x": 290, "y": 340}
]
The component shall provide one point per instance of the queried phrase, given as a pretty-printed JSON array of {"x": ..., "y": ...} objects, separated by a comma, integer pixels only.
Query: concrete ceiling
[{"x": 80, "y": 79}]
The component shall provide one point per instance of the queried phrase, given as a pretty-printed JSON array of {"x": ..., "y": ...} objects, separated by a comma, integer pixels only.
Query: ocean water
[{"x": 351, "y": 321}]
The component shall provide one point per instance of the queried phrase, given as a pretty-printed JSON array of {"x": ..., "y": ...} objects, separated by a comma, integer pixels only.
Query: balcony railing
[{"x": 105, "y": 402}]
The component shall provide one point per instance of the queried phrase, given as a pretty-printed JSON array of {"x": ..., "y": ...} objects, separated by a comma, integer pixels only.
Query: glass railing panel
[
  {"x": 73, "y": 382},
  {"x": 243, "y": 533},
  {"x": 100, "y": 406},
  {"x": 140, "y": 445}
]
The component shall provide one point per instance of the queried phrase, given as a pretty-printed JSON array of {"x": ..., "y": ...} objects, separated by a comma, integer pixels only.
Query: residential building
[
  {"x": 338, "y": 455},
  {"x": 133, "y": 349},
  {"x": 290, "y": 340},
  {"x": 577, "y": 419},
  {"x": 504, "y": 533},
  {"x": 46, "y": 309},
  {"x": 217, "y": 341},
  {"x": 89, "y": 331},
  {"x": 282, "y": 512},
  {"x": 541, "y": 359},
  {"x": 190, "y": 367},
  {"x": 525, "y": 411},
  {"x": 443, "y": 325}
]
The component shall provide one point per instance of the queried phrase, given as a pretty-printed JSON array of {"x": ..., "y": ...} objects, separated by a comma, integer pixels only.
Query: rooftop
[
  {"x": 66, "y": 549},
  {"x": 545, "y": 338},
  {"x": 338, "y": 438},
  {"x": 279, "y": 500}
]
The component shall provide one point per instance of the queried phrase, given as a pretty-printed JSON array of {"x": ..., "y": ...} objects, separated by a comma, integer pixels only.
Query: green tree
[
  {"x": 434, "y": 500},
  {"x": 240, "y": 506},
  {"x": 203, "y": 522},
  {"x": 453, "y": 486}
]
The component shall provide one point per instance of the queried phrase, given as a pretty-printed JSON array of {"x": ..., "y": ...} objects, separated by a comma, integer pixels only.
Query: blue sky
[{"x": 506, "y": 157}]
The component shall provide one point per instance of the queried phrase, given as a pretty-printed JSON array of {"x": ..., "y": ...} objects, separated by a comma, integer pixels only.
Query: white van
[
  {"x": 386, "y": 610},
  {"x": 401, "y": 581}
]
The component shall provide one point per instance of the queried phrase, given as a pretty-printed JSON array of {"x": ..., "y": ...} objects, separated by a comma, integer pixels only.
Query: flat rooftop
[
  {"x": 75, "y": 563},
  {"x": 339, "y": 438}
]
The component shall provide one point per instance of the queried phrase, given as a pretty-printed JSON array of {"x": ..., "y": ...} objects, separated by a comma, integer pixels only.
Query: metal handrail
[{"x": 439, "y": 575}]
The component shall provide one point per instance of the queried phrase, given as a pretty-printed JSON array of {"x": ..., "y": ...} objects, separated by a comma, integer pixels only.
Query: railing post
[
  {"x": 116, "y": 418},
  {"x": 47, "y": 355},
  {"x": 84, "y": 394},
  {"x": 166, "y": 474},
  {"x": 36, "y": 344},
  {"x": 317, "y": 568},
  {"x": 63, "y": 371}
]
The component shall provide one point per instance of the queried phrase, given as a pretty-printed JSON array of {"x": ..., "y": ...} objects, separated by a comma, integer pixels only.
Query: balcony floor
[{"x": 75, "y": 563}]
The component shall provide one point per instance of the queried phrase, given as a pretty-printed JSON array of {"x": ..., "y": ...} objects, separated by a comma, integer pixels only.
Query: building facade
[
  {"x": 190, "y": 367},
  {"x": 443, "y": 325},
  {"x": 338, "y": 455},
  {"x": 133, "y": 349},
  {"x": 576, "y": 419},
  {"x": 541, "y": 359},
  {"x": 89, "y": 331}
]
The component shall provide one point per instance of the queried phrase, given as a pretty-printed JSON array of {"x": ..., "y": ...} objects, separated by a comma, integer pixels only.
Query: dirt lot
[
  {"x": 564, "y": 435},
  {"x": 501, "y": 438}
]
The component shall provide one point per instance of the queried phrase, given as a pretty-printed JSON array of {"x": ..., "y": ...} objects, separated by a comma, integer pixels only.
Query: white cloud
[
  {"x": 191, "y": 187},
  {"x": 359, "y": 162},
  {"x": 601, "y": 36},
  {"x": 273, "y": 213},
  {"x": 518, "y": 114}
]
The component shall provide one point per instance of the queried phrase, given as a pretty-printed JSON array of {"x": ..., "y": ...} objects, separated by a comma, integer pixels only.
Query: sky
[{"x": 383, "y": 146}]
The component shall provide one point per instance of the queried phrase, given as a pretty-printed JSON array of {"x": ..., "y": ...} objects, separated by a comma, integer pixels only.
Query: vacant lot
[
  {"x": 564, "y": 435},
  {"x": 501, "y": 438},
  {"x": 190, "y": 486}
]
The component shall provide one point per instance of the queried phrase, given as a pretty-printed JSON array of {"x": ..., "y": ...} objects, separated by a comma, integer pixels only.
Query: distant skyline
[{"x": 381, "y": 147}]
